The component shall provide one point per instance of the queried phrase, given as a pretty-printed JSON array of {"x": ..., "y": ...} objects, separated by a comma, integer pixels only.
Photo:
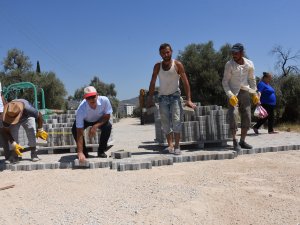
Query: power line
[{"x": 32, "y": 36}]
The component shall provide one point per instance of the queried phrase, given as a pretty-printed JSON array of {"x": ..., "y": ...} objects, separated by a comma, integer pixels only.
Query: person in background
[
  {"x": 93, "y": 111},
  {"x": 169, "y": 72},
  {"x": 3, "y": 137},
  {"x": 20, "y": 112},
  {"x": 238, "y": 81},
  {"x": 268, "y": 101}
]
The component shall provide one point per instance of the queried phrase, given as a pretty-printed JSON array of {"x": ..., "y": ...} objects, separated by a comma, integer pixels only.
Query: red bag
[{"x": 260, "y": 112}]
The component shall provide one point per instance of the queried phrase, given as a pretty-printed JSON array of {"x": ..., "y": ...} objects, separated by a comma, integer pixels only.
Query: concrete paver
[{"x": 137, "y": 143}]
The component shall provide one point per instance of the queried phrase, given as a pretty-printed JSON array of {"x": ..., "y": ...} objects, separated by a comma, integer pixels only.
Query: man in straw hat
[
  {"x": 3, "y": 138},
  {"x": 20, "y": 112},
  {"x": 94, "y": 111}
]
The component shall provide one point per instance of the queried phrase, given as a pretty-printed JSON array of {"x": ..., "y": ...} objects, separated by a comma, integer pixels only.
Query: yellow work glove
[
  {"x": 255, "y": 99},
  {"x": 233, "y": 100},
  {"x": 42, "y": 134},
  {"x": 17, "y": 148}
]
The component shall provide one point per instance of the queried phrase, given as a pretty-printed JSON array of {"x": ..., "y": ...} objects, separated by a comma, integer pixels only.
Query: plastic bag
[{"x": 260, "y": 112}]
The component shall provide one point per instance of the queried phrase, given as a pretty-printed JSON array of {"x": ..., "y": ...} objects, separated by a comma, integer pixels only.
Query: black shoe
[
  {"x": 236, "y": 146},
  {"x": 102, "y": 155},
  {"x": 243, "y": 144},
  {"x": 255, "y": 130},
  {"x": 34, "y": 157}
]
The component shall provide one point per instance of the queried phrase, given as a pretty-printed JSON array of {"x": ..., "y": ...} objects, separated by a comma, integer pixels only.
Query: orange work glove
[
  {"x": 42, "y": 134},
  {"x": 17, "y": 148},
  {"x": 233, "y": 100},
  {"x": 255, "y": 99}
]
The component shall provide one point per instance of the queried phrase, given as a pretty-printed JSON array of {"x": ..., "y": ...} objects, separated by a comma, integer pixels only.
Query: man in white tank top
[{"x": 169, "y": 71}]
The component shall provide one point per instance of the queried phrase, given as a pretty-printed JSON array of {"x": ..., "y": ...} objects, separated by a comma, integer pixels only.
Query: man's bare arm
[
  {"x": 152, "y": 84},
  {"x": 186, "y": 85}
]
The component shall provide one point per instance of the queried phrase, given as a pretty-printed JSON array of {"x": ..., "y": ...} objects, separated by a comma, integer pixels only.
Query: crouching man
[
  {"x": 20, "y": 112},
  {"x": 93, "y": 111}
]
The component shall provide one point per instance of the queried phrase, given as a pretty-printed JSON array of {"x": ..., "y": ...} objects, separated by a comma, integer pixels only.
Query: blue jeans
[{"x": 170, "y": 109}]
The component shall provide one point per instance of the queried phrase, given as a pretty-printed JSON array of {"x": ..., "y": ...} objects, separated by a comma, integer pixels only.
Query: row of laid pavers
[{"x": 124, "y": 164}]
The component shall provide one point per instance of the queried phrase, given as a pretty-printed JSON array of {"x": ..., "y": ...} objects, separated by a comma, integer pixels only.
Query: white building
[{"x": 126, "y": 109}]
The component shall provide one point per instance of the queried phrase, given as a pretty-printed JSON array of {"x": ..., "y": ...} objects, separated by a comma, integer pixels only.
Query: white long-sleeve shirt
[{"x": 237, "y": 77}]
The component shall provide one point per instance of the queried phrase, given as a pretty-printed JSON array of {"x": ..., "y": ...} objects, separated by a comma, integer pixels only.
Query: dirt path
[
  {"x": 251, "y": 189},
  {"x": 256, "y": 189}
]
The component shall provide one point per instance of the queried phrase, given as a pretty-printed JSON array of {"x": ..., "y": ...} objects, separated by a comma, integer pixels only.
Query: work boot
[
  {"x": 255, "y": 130},
  {"x": 34, "y": 157},
  {"x": 102, "y": 155},
  {"x": 12, "y": 158},
  {"x": 236, "y": 146},
  {"x": 245, "y": 145}
]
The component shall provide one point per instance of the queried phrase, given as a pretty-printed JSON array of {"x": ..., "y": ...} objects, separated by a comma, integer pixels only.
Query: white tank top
[{"x": 168, "y": 80}]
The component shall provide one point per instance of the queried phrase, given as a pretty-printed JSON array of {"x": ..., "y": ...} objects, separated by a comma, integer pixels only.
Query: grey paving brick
[
  {"x": 105, "y": 164},
  {"x": 133, "y": 166},
  {"x": 86, "y": 163},
  {"x": 92, "y": 165},
  {"x": 120, "y": 154},
  {"x": 27, "y": 167},
  {"x": 40, "y": 166},
  {"x": 55, "y": 165},
  {"x": 65, "y": 165},
  {"x": 251, "y": 151},
  {"x": 121, "y": 167},
  {"x": 220, "y": 156},
  {"x": 16, "y": 167},
  {"x": 146, "y": 165},
  {"x": 177, "y": 159},
  {"x": 114, "y": 165}
]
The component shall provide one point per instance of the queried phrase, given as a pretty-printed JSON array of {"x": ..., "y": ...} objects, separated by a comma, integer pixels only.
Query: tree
[
  {"x": 38, "y": 68},
  {"x": 290, "y": 101},
  {"x": 16, "y": 63},
  {"x": 17, "y": 68},
  {"x": 54, "y": 89},
  {"x": 204, "y": 68},
  {"x": 283, "y": 60}
]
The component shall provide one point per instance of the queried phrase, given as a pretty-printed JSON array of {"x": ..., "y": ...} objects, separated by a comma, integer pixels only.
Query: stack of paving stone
[
  {"x": 59, "y": 128},
  {"x": 207, "y": 124}
]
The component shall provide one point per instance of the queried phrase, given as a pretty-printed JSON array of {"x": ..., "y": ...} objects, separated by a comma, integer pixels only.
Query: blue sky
[{"x": 118, "y": 40}]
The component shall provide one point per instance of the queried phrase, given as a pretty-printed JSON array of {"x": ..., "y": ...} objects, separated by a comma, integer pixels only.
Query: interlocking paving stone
[
  {"x": 143, "y": 158},
  {"x": 121, "y": 154}
]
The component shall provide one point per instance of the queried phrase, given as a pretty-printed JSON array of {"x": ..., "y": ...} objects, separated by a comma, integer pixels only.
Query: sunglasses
[{"x": 91, "y": 97}]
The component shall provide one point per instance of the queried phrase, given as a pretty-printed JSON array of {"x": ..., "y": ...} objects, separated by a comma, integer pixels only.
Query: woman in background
[{"x": 268, "y": 101}]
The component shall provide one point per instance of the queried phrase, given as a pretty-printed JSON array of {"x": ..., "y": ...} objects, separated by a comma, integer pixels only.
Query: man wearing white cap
[
  {"x": 239, "y": 83},
  {"x": 93, "y": 111}
]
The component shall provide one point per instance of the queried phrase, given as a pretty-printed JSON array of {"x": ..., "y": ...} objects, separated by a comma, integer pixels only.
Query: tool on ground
[{"x": 7, "y": 187}]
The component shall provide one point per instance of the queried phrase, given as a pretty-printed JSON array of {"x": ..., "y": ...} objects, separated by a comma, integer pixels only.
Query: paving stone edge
[{"x": 126, "y": 164}]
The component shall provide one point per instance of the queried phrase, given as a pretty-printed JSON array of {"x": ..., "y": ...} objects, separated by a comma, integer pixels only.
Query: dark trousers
[
  {"x": 105, "y": 134},
  {"x": 4, "y": 143},
  {"x": 270, "y": 118}
]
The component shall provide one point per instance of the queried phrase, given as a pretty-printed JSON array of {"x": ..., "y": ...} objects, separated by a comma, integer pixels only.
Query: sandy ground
[{"x": 251, "y": 189}]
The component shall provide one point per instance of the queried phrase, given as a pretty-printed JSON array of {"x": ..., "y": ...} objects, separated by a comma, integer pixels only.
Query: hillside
[{"x": 132, "y": 101}]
